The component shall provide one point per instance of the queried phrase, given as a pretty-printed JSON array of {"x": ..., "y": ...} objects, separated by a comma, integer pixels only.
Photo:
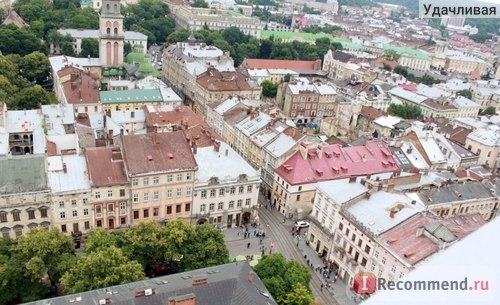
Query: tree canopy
[
  {"x": 405, "y": 111},
  {"x": 269, "y": 89},
  {"x": 287, "y": 281}
]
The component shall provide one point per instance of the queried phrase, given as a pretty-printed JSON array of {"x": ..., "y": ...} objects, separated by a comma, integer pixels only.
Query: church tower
[{"x": 111, "y": 34}]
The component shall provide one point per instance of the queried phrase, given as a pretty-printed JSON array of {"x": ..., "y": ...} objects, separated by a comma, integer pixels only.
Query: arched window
[
  {"x": 116, "y": 8},
  {"x": 108, "y": 31},
  {"x": 107, "y": 6},
  {"x": 116, "y": 31}
]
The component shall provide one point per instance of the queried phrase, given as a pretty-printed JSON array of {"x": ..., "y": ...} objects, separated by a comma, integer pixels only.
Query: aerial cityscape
[{"x": 249, "y": 152}]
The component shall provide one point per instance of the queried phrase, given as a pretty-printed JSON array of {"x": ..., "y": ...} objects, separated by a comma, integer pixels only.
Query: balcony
[{"x": 98, "y": 215}]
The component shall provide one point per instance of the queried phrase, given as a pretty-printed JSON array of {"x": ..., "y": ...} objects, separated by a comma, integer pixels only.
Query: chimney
[
  {"x": 408, "y": 150},
  {"x": 121, "y": 132},
  {"x": 187, "y": 299},
  {"x": 116, "y": 154},
  {"x": 363, "y": 181},
  {"x": 352, "y": 179},
  {"x": 390, "y": 188},
  {"x": 226, "y": 153},
  {"x": 195, "y": 149},
  {"x": 367, "y": 195},
  {"x": 379, "y": 187},
  {"x": 65, "y": 168},
  {"x": 392, "y": 213},
  {"x": 250, "y": 277}
]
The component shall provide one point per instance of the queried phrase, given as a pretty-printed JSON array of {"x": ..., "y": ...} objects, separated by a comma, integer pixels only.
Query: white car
[{"x": 301, "y": 224}]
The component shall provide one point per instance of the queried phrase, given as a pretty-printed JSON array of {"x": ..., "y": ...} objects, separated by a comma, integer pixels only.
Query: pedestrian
[
  {"x": 248, "y": 245},
  {"x": 335, "y": 279},
  {"x": 322, "y": 286},
  {"x": 254, "y": 232}
]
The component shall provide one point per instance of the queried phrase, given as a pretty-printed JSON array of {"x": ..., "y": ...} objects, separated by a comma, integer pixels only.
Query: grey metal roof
[
  {"x": 226, "y": 284},
  {"x": 23, "y": 174},
  {"x": 455, "y": 192},
  {"x": 440, "y": 231}
]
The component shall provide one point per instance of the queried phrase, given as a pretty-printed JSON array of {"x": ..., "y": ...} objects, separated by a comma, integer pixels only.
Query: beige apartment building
[
  {"x": 70, "y": 193},
  {"x": 162, "y": 171},
  {"x": 485, "y": 143},
  {"x": 24, "y": 195},
  {"x": 111, "y": 208},
  {"x": 195, "y": 19}
]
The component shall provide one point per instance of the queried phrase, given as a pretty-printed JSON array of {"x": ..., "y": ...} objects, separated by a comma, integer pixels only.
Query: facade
[
  {"x": 24, "y": 195},
  {"x": 226, "y": 189},
  {"x": 244, "y": 130},
  {"x": 295, "y": 179},
  {"x": 110, "y": 200},
  {"x": 162, "y": 170},
  {"x": 195, "y": 19},
  {"x": 111, "y": 37},
  {"x": 486, "y": 144},
  {"x": 70, "y": 193},
  {"x": 23, "y": 132}
]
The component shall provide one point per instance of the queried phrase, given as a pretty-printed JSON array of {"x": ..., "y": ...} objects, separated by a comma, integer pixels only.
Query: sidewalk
[{"x": 237, "y": 244}]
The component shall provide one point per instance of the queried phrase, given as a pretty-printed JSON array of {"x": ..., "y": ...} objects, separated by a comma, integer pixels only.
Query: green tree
[
  {"x": 233, "y": 36},
  {"x": 90, "y": 47},
  {"x": 488, "y": 111},
  {"x": 465, "y": 93},
  {"x": 281, "y": 277},
  {"x": 204, "y": 247},
  {"x": 481, "y": 37},
  {"x": 428, "y": 80},
  {"x": 41, "y": 252},
  {"x": 100, "y": 239},
  {"x": 405, "y": 111},
  {"x": 32, "y": 98},
  {"x": 127, "y": 48},
  {"x": 200, "y": 3},
  {"x": 269, "y": 89},
  {"x": 287, "y": 77},
  {"x": 391, "y": 55},
  {"x": 35, "y": 67},
  {"x": 299, "y": 295},
  {"x": 266, "y": 47},
  {"x": 101, "y": 268},
  {"x": 401, "y": 70}
]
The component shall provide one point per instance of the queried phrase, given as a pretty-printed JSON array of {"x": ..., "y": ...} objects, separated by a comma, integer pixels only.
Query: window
[
  {"x": 189, "y": 176},
  {"x": 31, "y": 214},
  {"x": 231, "y": 204},
  {"x": 86, "y": 225},
  {"x": 249, "y": 189},
  {"x": 156, "y": 211},
  {"x": 136, "y": 214},
  {"x": 61, "y": 204},
  {"x": 353, "y": 237},
  {"x": 240, "y": 190},
  {"x": 156, "y": 180},
  {"x": 363, "y": 262},
  {"x": 145, "y": 213},
  {"x": 221, "y": 192},
  {"x": 188, "y": 191},
  {"x": 110, "y": 193},
  {"x": 63, "y": 228},
  {"x": 135, "y": 197},
  {"x": 298, "y": 197},
  {"x": 203, "y": 194},
  {"x": 75, "y": 213},
  {"x": 135, "y": 182},
  {"x": 169, "y": 178},
  {"x": 169, "y": 209},
  {"x": 179, "y": 192},
  {"x": 122, "y": 192},
  {"x": 62, "y": 215},
  {"x": 220, "y": 206},
  {"x": 232, "y": 191},
  {"x": 123, "y": 205},
  {"x": 341, "y": 226},
  {"x": 203, "y": 208},
  {"x": 123, "y": 220},
  {"x": 3, "y": 217},
  {"x": 347, "y": 232},
  {"x": 212, "y": 193},
  {"x": 156, "y": 195},
  {"x": 73, "y": 202},
  {"x": 247, "y": 201},
  {"x": 145, "y": 181},
  {"x": 178, "y": 208},
  {"x": 97, "y": 195},
  {"x": 383, "y": 260},
  {"x": 300, "y": 188},
  {"x": 85, "y": 212},
  {"x": 239, "y": 203},
  {"x": 367, "y": 249},
  {"x": 179, "y": 177},
  {"x": 145, "y": 196},
  {"x": 169, "y": 193},
  {"x": 393, "y": 269},
  {"x": 211, "y": 207}
]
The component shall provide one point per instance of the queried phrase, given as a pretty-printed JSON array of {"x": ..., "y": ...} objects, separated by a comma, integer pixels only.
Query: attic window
[
  {"x": 319, "y": 172},
  {"x": 343, "y": 169},
  {"x": 328, "y": 154},
  {"x": 335, "y": 169},
  {"x": 105, "y": 301},
  {"x": 150, "y": 158},
  {"x": 385, "y": 164}
]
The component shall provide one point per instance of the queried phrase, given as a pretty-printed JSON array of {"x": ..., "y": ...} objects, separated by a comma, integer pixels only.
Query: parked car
[{"x": 301, "y": 224}]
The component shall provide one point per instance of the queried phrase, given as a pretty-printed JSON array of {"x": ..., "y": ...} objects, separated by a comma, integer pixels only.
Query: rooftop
[
  {"x": 214, "y": 80},
  {"x": 86, "y": 33},
  {"x": 67, "y": 173},
  {"x": 341, "y": 190},
  {"x": 23, "y": 174},
  {"x": 106, "y": 166},
  {"x": 322, "y": 163},
  {"x": 455, "y": 193},
  {"x": 489, "y": 136},
  {"x": 80, "y": 87},
  {"x": 226, "y": 164},
  {"x": 225, "y": 284},
  {"x": 280, "y": 145},
  {"x": 130, "y": 96},
  {"x": 294, "y": 65},
  {"x": 157, "y": 153},
  {"x": 252, "y": 124}
]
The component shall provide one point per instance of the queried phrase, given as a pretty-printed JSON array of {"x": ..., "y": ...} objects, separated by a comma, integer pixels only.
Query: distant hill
[{"x": 410, "y": 4}]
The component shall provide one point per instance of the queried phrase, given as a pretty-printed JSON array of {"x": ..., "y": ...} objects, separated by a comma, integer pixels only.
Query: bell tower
[{"x": 111, "y": 34}]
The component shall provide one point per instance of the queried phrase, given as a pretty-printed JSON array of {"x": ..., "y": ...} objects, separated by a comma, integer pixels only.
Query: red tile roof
[
  {"x": 336, "y": 162},
  {"x": 103, "y": 170},
  {"x": 253, "y": 63},
  {"x": 403, "y": 241},
  {"x": 79, "y": 86},
  {"x": 182, "y": 115},
  {"x": 372, "y": 112},
  {"x": 157, "y": 152},
  {"x": 203, "y": 135},
  {"x": 215, "y": 81}
]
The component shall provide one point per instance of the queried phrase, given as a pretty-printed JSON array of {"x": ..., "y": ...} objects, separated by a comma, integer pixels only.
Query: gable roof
[
  {"x": 106, "y": 166},
  {"x": 295, "y": 65}
]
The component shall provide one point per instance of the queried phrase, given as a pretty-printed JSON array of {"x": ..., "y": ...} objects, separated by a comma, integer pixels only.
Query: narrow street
[{"x": 284, "y": 243}]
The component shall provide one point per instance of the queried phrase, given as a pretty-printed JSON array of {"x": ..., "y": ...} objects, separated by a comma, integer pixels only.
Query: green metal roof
[
  {"x": 136, "y": 57},
  {"x": 130, "y": 96},
  {"x": 414, "y": 53},
  {"x": 22, "y": 174}
]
